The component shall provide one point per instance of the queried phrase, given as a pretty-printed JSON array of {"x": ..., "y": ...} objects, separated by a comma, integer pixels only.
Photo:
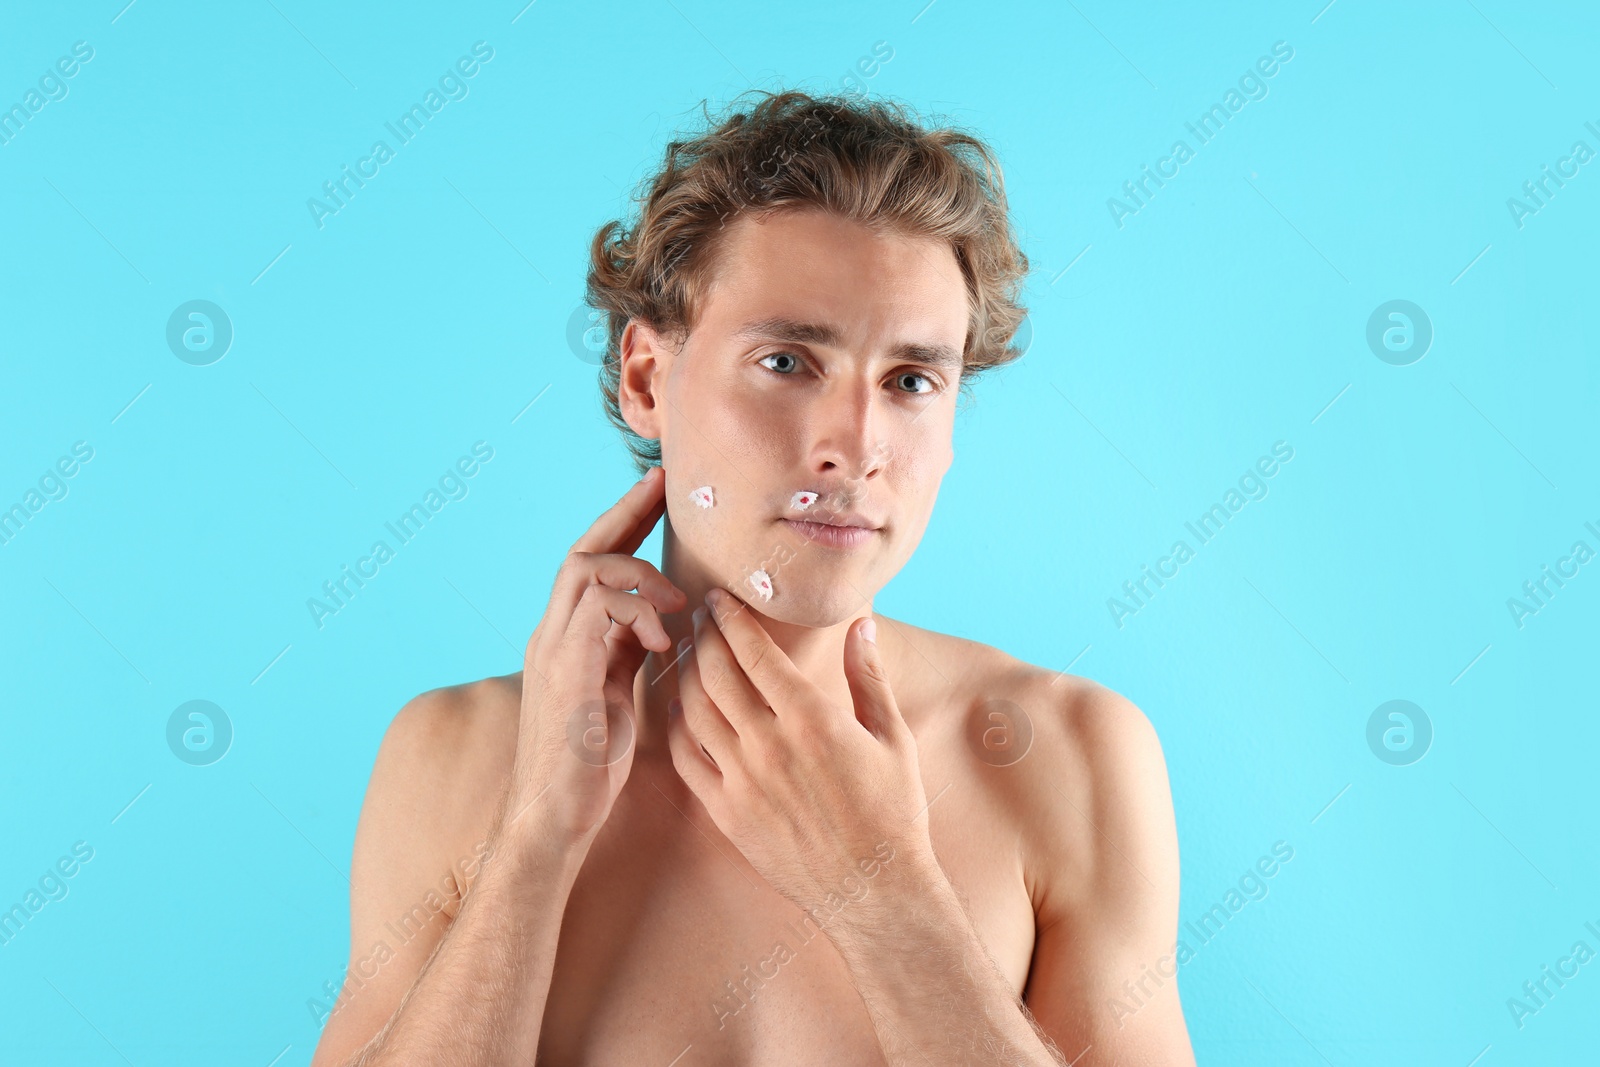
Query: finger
[
  {"x": 868, "y": 679},
  {"x": 581, "y": 570},
  {"x": 767, "y": 668},
  {"x": 624, "y": 656},
  {"x": 720, "y": 676},
  {"x": 711, "y": 726},
  {"x": 599, "y": 606},
  {"x": 619, "y": 571},
  {"x": 630, "y": 544},
  {"x": 696, "y": 769},
  {"x": 624, "y": 526},
  {"x": 583, "y": 641}
]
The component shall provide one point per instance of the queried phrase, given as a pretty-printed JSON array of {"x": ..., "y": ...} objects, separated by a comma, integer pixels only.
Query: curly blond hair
[{"x": 864, "y": 159}]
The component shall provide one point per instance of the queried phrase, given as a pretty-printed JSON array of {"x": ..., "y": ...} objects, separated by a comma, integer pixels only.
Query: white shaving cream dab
[{"x": 761, "y": 582}]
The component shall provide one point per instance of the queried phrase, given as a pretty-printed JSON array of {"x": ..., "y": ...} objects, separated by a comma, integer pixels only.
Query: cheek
[
  {"x": 917, "y": 479},
  {"x": 699, "y": 472},
  {"x": 716, "y": 426},
  {"x": 924, "y": 463}
]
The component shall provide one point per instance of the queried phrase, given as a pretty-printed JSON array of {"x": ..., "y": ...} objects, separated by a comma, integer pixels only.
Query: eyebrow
[{"x": 779, "y": 328}]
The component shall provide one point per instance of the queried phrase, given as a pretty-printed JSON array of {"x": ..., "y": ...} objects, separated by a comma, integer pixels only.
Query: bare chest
[{"x": 673, "y": 946}]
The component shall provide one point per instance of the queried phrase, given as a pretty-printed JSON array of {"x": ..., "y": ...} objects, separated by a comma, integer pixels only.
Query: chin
[{"x": 806, "y": 599}]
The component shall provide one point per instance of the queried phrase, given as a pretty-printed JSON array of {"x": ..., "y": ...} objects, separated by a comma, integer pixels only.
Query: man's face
[{"x": 758, "y": 410}]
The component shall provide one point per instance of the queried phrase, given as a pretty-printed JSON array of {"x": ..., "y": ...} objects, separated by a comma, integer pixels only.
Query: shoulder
[
  {"x": 443, "y": 762},
  {"x": 1089, "y": 807},
  {"x": 1093, "y": 798},
  {"x": 1074, "y": 718},
  {"x": 455, "y": 714},
  {"x": 1076, "y": 767},
  {"x": 420, "y": 839},
  {"x": 448, "y": 734}
]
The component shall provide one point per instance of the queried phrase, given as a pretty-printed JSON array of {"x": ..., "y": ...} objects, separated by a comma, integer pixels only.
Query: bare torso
[{"x": 670, "y": 941}]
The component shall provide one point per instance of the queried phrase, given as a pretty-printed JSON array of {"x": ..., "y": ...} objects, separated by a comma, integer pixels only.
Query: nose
[{"x": 848, "y": 445}]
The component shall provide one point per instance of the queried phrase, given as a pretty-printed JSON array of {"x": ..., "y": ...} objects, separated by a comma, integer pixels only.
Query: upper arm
[
  {"x": 1104, "y": 975},
  {"x": 406, "y": 867}
]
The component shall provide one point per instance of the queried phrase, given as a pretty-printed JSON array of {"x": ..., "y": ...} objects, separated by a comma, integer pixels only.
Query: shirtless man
[{"x": 809, "y": 833}]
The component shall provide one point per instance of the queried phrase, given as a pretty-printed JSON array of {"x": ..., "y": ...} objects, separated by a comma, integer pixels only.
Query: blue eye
[
  {"x": 794, "y": 364},
  {"x": 774, "y": 355},
  {"x": 912, "y": 374}
]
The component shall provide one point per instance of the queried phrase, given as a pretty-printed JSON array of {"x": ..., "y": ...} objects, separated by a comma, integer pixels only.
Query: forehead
[{"x": 810, "y": 266}]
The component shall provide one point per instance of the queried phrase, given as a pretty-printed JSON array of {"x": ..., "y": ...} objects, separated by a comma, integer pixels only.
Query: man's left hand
[{"x": 807, "y": 790}]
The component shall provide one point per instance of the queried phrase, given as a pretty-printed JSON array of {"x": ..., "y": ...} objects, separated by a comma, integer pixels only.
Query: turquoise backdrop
[{"x": 186, "y": 484}]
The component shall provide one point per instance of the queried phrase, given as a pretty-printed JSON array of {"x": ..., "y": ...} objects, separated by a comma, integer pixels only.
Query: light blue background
[{"x": 1226, "y": 315}]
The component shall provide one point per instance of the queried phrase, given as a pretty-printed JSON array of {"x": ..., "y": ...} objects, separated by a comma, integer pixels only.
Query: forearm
[
  {"x": 934, "y": 994},
  {"x": 479, "y": 1000}
]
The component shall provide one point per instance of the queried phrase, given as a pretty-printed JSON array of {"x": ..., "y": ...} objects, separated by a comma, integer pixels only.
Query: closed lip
[
  {"x": 832, "y": 534},
  {"x": 846, "y": 519}
]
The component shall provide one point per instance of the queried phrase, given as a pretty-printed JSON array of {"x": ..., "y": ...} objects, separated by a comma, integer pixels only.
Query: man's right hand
[{"x": 575, "y": 739}]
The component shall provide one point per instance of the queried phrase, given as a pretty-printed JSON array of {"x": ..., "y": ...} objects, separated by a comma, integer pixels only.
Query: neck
[{"x": 816, "y": 651}]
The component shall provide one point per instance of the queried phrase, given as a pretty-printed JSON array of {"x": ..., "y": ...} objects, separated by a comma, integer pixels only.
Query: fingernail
[
  {"x": 714, "y": 596},
  {"x": 869, "y": 630},
  {"x": 699, "y": 615},
  {"x": 683, "y": 646},
  {"x": 674, "y": 707}
]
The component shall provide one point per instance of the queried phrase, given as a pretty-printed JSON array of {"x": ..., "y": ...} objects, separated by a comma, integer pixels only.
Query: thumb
[{"x": 869, "y": 681}]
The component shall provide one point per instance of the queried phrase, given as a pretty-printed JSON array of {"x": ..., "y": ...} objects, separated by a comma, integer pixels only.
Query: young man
[{"x": 738, "y": 817}]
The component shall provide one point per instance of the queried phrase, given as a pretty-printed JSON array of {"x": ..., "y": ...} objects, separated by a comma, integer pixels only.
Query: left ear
[{"x": 644, "y": 358}]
